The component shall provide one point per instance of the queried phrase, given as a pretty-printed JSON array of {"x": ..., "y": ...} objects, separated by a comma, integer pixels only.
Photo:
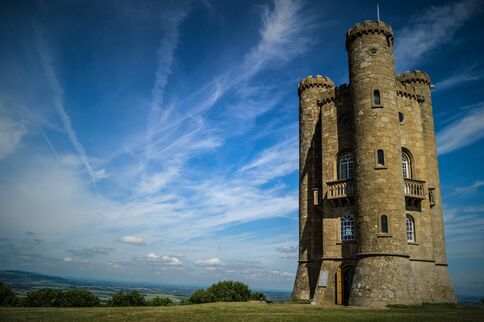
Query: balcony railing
[
  {"x": 340, "y": 189},
  {"x": 414, "y": 188}
]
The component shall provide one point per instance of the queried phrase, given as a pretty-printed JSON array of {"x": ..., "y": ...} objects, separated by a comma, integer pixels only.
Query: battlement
[
  {"x": 407, "y": 91},
  {"x": 414, "y": 77},
  {"x": 318, "y": 81},
  {"x": 369, "y": 27}
]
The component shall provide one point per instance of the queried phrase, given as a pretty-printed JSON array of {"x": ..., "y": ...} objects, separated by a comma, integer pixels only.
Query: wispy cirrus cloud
[
  {"x": 470, "y": 189},
  {"x": 462, "y": 132},
  {"x": 430, "y": 29},
  {"x": 11, "y": 132},
  {"x": 58, "y": 97},
  {"x": 464, "y": 230},
  {"x": 467, "y": 74}
]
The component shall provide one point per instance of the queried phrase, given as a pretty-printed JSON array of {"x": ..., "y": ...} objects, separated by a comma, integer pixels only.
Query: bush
[
  {"x": 230, "y": 291},
  {"x": 224, "y": 291},
  {"x": 44, "y": 297},
  {"x": 258, "y": 296},
  {"x": 7, "y": 296},
  {"x": 133, "y": 298},
  {"x": 80, "y": 298},
  {"x": 201, "y": 296},
  {"x": 161, "y": 301},
  {"x": 47, "y": 297}
]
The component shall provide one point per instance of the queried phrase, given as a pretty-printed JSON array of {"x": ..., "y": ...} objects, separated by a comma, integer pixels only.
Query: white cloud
[
  {"x": 464, "y": 231},
  {"x": 431, "y": 28},
  {"x": 287, "y": 249},
  {"x": 210, "y": 262},
  {"x": 50, "y": 72},
  {"x": 459, "y": 77},
  {"x": 11, "y": 133},
  {"x": 67, "y": 259},
  {"x": 463, "y": 132},
  {"x": 470, "y": 189},
  {"x": 168, "y": 260},
  {"x": 133, "y": 240}
]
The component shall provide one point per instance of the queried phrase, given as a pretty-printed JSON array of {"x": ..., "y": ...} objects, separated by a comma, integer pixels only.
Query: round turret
[
  {"x": 369, "y": 27},
  {"x": 318, "y": 81},
  {"x": 416, "y": 76},
  {"x": 378, "y": 168}
]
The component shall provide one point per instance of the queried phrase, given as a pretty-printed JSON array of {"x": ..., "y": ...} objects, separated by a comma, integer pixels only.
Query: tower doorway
[{"x": 344, "y": 280}]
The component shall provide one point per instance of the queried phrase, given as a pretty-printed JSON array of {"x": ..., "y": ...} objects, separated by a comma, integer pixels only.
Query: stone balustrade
[
  {"x": 414, "y": 188},
  {"x": 340, "y": 189}
]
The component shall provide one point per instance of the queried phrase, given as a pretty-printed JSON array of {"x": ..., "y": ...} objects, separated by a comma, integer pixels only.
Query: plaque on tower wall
[{"x": 323, "y": 278}]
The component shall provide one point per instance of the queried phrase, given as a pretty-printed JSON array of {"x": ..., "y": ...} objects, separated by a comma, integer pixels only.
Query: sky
[{"x": 157, "y": 141}]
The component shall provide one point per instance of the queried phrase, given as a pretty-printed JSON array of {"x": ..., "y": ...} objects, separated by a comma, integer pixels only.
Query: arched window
[
  {"x": 376, "y": 97},
  {"x": 347, "y": 224},
  {"x": 410, "y": 229},
  {"x": 346, "y": 166},
  {"x": 406, "y": 168},
  {"x": 384, "y": 224}
]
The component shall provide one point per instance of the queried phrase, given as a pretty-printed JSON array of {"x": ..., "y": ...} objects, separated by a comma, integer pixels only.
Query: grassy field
[{"x": 222, "y": 312}]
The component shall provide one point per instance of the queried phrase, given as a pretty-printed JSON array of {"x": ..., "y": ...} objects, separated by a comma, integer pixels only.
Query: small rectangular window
[
  {"x": 376, "y": 97},
  {"x": 380, "y": 157},
  {"x": 384, "y": 224}
]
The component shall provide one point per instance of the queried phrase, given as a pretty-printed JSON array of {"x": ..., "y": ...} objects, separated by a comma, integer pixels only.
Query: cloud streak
[
  {"x": 462, "y": 132},
  {"x": 50, "y": 72},
  {"x": 430, "y": 29}
]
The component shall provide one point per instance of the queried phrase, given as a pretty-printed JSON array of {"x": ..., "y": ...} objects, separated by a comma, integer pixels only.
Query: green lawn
[{"x": 222, "y": 312}]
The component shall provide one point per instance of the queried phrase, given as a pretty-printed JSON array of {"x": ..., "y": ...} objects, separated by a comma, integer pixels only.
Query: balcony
[
  {"x": 414, "y": 191},
  {"x": 340, "y": 191}
]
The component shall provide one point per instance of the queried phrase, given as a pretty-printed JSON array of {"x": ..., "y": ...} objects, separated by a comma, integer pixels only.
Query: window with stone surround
[
  {"x": 347, "y": 226},
  {"x": 384, "y": 224},
  {"x": 410, "y": 229},
  {"x": 406, "y": 168},
  {"x": 380, "y": 157},
  {"x": 376, "y": 98},
  {"x": 346, "y": 166}
]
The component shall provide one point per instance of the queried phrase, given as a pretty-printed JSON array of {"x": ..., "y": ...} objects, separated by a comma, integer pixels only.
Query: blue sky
[{"x": 158, "y": 140}]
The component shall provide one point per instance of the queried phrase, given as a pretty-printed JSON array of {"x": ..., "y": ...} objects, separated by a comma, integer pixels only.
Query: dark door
[{"x": 347, "y": 281}]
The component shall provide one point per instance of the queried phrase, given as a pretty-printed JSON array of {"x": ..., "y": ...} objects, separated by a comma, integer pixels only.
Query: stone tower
[{"x": 370, "y": 214}]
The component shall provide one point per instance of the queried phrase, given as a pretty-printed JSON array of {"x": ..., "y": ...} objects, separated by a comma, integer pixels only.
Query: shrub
[
  {"x": 201, "y": 296},
  {"x": 161, "y": 301},
  {"x": 257, "y": 296},
  {"x": 7, "y": 296},
  {"x": 133, "y": 298},
  {"x": 230, "y": 291},
  {"x": 44, "y": 297},
  {"x": 80, "y": 298}
]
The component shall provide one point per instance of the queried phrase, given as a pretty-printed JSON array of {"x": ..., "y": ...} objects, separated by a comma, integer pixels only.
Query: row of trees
[
  {"x": 49, "y": 297},
  {"x": 224, "y": 291}
]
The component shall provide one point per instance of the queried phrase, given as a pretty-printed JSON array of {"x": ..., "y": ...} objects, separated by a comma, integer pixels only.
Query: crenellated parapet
[
  {"x": 327, "y": 96},
  {"x": 311, "y": 82},
  {"x": 369, "y": 27},
  {"x": 414, "y": 77},
  {"x": 408, "y": 91}
]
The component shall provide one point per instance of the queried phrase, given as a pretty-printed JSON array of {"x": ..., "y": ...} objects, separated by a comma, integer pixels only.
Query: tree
[
  {"x": 201, "y": 296},
  {"x": 44, "y": 297},
  {"x": 230, "y": 291},
  {"x": 257, "y": 296},
  {"x": 7, "y": 296},
  {"x": 160, "y": 301},
  {"x": 133, "y": 298},
  {"x": 80, "y": 298}
]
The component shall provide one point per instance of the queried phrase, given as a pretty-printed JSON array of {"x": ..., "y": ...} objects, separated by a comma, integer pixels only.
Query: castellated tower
[{"x": 371, "y": 228}]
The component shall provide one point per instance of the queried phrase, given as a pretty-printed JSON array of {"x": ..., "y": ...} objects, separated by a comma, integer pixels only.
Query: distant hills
[{"x": 23, "y": 282}]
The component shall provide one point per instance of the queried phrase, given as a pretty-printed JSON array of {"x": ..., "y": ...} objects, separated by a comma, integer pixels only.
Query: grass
[{"x": 250, "y": 311}]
